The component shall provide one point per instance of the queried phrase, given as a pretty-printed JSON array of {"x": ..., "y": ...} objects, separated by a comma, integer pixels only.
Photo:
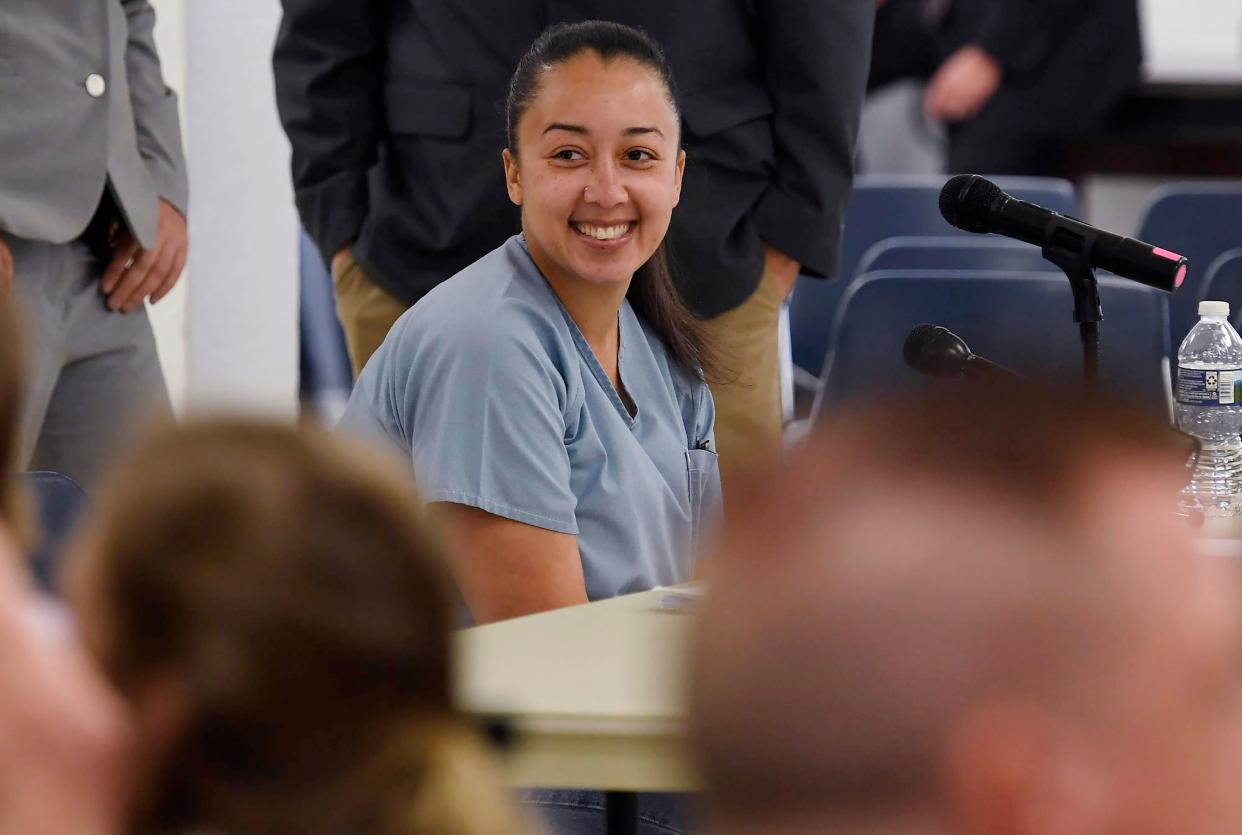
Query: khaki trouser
[
  {"x": 749, "y": 420},
  {"x": 367, "y": 311}
]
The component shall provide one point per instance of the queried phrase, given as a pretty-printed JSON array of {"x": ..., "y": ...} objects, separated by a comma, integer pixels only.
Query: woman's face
[{"x": 598, "y": 169}]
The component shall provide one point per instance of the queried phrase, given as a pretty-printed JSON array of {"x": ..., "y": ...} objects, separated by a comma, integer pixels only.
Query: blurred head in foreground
[
  {"x": 62, "y": 730},
  {"x": 274, "y": 609},
  {"x": 971, "y": 614}
]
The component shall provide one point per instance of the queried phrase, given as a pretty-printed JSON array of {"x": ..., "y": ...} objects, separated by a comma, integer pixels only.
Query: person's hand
[
  {"x": 63, "y": 733},
  {"x": 136, "y": 273},
  {"x": 339, "y": 258},
  {"x": 962, "y": 85},
  {"x": 783, "y": 269},
  {"x": 8, "y": 270}
]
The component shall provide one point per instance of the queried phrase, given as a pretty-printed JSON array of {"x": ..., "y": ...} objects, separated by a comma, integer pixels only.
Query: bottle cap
[{"x": 1207, "y": 308}]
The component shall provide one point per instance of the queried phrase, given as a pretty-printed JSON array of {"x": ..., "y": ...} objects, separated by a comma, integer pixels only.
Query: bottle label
[{"x": 1209, "y": 387}]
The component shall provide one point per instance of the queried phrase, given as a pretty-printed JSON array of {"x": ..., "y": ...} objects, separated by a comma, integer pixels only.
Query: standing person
[
  {"x": 957, "y": 618},
  {"x": 92, "y": 219},
  {"x": 1011, "y": 78},
  {"x": 391, "y": 107},
  {"x": 551, "y": 397}
]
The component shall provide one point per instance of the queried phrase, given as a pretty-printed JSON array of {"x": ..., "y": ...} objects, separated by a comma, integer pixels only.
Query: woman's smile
[{"x": 605, "y": 237}]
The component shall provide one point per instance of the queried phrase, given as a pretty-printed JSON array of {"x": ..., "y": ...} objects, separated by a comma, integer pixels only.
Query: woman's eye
[
  {"x": 567, "y": 154},
  {"x": 639, "y": 155}
]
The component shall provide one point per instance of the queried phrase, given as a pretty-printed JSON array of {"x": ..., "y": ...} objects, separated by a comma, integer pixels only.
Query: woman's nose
[{"x": 605, "y": 188}]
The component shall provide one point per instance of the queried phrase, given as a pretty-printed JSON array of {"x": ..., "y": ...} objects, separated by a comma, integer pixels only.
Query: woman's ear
[
  {"x": 679, "y": 171},
  {"x": 513, "y": 177}
]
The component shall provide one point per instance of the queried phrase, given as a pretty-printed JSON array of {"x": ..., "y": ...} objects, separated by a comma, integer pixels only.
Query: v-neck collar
[
  {"x": 625, "y": 328},
  {"x": 592, "y": 361}
]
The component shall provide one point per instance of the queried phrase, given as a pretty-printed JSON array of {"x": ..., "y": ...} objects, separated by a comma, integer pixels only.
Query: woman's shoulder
[{"x": 499, "y": 302}]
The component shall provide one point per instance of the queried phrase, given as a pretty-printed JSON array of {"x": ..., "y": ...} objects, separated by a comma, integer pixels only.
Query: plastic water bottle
[{"x": 1209, "y": 406}]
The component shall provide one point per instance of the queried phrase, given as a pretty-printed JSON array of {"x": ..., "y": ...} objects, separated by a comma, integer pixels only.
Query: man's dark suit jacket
[{"x": 394, "y": 109}]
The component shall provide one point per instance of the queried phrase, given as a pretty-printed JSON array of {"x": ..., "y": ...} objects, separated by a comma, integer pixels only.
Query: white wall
[
  {"x": 1193, "y": 39},
  {"x": 228, "y": 337},
  {"x": 169, "y": 316}
]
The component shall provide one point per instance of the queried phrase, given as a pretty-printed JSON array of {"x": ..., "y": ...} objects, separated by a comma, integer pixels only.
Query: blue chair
[
  {"x": 326, "y": 375},
  {"x": 981, "y": 252},
  {"x": 59, "y": 503},
  {"x": 885, "y": 206},
  {"x": 1020, "y": 320},
  {"x": 1223, "y": 282},
  {"x": 1200, "y": 221}
]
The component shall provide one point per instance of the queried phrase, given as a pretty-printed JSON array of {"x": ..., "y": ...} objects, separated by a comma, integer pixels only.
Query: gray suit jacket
[{"x": 63, "y": 138}]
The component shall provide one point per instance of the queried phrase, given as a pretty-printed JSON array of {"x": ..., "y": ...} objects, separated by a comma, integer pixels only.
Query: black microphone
[
  {"x": 974, "y": 204},
  {"x": 939, "y": 352}
]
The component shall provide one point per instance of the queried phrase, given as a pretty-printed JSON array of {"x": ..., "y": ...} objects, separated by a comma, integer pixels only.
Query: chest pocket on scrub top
[{"x": 703, "y": 474}]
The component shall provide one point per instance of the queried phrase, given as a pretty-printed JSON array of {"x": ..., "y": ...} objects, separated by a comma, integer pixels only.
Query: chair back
[
  {"x": 60, "y": 502},
  {"x": 1021, "y": 320},
  {"x": 885, "y": 206},
  {"x": 326, "y": 376},
  {"x": 1200, "y": 221},
  {"x": 1223, "y": 282},
  {"x": 980, "y": 252}
]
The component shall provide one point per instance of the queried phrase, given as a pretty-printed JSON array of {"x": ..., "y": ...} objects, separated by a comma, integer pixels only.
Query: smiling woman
[
  {"x": 551, "y": 396},
  {"x": 616, "y": 188}
]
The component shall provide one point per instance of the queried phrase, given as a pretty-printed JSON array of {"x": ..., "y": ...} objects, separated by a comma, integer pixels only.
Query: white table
[{"x": 593, "y": 694}]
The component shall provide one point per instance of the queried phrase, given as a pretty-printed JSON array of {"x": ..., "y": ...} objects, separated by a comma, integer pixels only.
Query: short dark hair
[
  {"x": 653, "y": 292},
  {"x": 1031, "y": 453},
  {"x": 1020, "y": 440}
]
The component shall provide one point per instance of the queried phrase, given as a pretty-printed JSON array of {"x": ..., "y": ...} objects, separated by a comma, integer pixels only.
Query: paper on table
[{"x": 682, "y": 598}]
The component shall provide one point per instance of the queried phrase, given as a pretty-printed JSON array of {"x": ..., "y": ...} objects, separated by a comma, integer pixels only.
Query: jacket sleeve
[
  {"x": 156, "y": 119},
  {"x": 328, "y": 64},
  {"x": 817, "y": 55}
]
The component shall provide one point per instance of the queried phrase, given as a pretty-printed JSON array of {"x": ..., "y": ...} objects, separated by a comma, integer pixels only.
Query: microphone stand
[{"x": 1067, "y": 247}]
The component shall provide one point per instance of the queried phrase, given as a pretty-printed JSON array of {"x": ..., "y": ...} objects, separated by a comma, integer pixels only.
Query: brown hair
[
  {"x": 653, "y": 292},
  {"x": 290, "y": 588}
]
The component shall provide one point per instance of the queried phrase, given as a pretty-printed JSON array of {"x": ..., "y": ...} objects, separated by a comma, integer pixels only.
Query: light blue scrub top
[{"x": 493, "y": 394}]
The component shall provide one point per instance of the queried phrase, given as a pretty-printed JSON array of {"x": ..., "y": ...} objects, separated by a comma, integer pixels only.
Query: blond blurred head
[
  {"x": 972, "y": 613},
  {"x": 275, "y": 608}
]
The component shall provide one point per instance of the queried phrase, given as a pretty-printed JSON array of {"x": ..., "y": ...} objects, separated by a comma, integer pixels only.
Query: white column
[
  {"x": 1193, "y": 40},
  {"x": 242, "y": 316},
  {"x": 168, "y": 318}
]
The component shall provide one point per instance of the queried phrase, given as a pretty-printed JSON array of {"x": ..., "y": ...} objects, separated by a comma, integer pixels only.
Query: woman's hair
[
  {"x": 652, "y": 293},
  {"x": 286, "y": 586}
]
